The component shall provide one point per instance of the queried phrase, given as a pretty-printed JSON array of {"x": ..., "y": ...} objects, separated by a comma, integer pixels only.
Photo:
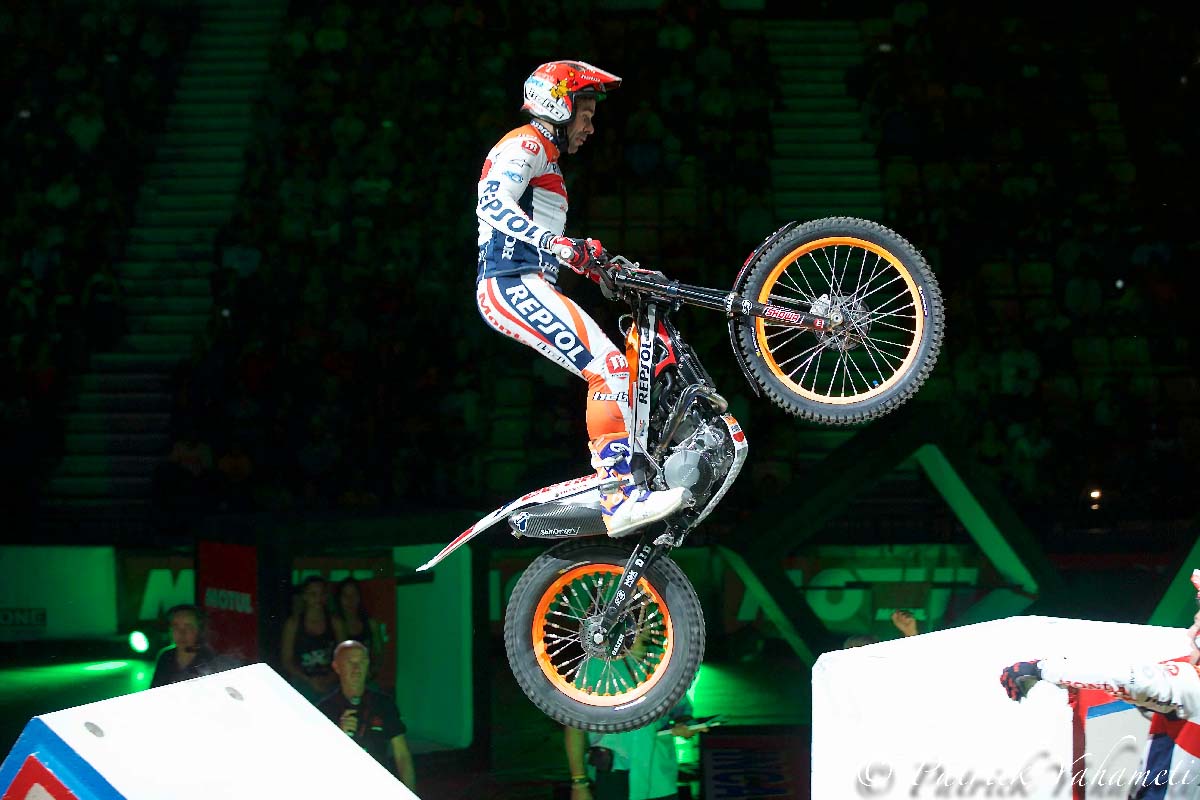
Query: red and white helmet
[{"x": 550, "y": 91}]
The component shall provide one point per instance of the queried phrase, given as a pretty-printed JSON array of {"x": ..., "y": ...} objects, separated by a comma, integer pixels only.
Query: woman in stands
[
  {"x": 357, "y": 623},
  {"x": 309, "y": 637}
]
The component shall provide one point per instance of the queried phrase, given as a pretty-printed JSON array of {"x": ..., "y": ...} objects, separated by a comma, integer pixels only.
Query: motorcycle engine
[{"x": 699, "y": 460}]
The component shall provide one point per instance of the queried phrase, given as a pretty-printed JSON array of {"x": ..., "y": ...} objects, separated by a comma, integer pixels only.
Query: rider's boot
[{"x": 631, "y": 506}]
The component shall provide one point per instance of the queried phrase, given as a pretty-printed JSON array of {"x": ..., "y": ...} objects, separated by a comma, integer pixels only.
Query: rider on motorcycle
[{"x": 522, "y": 211}]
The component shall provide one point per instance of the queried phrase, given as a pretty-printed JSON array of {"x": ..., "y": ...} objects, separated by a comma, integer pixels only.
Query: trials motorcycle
[{"x": 837, "y": 320}]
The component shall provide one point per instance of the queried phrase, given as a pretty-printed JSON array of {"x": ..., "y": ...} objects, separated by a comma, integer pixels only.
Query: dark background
[{"x": 1041, "y": 155}]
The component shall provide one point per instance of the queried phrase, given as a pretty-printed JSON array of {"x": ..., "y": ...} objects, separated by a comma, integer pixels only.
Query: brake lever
[{"x": 602, "y": 267}]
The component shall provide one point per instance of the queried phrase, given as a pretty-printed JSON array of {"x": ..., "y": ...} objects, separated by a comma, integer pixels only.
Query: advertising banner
[
  {"x": 227, "y": 590},
  {"x": 57, "y": 593},
  {"x": 148, "y": 583},
  {"x": 855, "y": 589}
]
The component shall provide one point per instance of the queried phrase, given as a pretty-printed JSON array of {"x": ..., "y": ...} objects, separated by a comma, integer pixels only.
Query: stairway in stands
[
  {"x": 824, "y": 165},
  {"x": 117, "y": 425}
]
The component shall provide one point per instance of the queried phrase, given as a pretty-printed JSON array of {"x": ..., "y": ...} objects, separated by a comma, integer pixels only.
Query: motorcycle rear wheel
[
  {"x": 661, "y": 638},
  {"x": 887, "y": 346}
]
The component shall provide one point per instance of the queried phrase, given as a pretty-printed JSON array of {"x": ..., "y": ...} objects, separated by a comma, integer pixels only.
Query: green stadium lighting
[{"x": 139, "y": 642}]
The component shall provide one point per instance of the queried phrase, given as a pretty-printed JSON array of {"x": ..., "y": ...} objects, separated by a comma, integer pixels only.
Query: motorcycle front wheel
[
  {"x": 638, "y": 674},
  {"x": 889, "y": 299}
]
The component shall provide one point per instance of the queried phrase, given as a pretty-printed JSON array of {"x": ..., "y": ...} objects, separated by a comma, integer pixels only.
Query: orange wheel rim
[
  {"x": 880, "y": 353},
  {"x": 589, "y": 679}
]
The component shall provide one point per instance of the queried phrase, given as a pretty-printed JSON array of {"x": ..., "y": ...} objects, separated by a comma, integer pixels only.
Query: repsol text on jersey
[{"x": 516, "y": 223}]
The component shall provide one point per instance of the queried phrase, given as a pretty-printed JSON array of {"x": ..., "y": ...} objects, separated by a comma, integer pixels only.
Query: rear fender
[
  {"x": 738, "y": 283},
  {"x": 556, "y": 492},
  {"x": 740, "y": 280}
]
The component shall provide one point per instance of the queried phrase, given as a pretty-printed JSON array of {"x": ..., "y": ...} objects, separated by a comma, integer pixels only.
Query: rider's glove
[
  {"x": 577, "y": 254},
  {"x": 1018, "y": 679}
]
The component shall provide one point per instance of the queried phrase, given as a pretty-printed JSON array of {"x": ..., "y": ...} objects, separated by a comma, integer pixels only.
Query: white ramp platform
[
  {"x": 239, "y": 734},
  {"x": 926, "y": 716}
]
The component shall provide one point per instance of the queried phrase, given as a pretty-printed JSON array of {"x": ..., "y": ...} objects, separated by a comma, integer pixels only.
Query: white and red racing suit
[
  {"x": 522, "y": 206},
  {"x": 1172, "y": 690}
]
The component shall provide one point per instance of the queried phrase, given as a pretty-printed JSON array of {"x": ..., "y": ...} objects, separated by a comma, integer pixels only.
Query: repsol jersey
[{"x": 522, "y": 204}]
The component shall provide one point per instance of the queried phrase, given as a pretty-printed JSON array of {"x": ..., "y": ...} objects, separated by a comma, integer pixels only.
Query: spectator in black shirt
[
  {"x": 357, "y": 622},
  {"x": 189, "y": 656},
  {"x": 310, "y": 635},
  {"x": 368, "y": 716}
]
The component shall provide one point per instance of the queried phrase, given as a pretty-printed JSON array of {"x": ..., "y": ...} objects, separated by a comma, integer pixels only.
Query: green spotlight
[
  {"x": 139, "y": 642},
  {"x": 106, "y": 666}
]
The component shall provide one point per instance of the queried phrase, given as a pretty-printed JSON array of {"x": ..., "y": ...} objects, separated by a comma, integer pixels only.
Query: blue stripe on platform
[
  {"x": 39, "y": 741},
  {"x": 1108, "y": 708}
]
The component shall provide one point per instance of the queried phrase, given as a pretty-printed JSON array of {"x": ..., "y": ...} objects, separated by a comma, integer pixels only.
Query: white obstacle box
[
  {"x": 244, "y": 733},
  {"x": 926, "y": 716}
]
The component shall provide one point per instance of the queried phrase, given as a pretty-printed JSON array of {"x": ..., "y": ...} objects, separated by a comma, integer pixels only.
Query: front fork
[{"x": 649, "y": 548}]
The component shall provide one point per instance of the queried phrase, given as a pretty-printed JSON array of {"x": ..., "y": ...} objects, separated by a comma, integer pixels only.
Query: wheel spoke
[
  {"x": 633, "y": 665},
  {"x": 882, "y": 309},
  {"x": 804, "y": 275},
  {"x": 582, "y": 658},
  {"x": 618, "y": 680},
  {"x": 779, "y": 298},
  {"x": 574, "y": 632},
  {"x": 860, "y": 292},
  {"x": 878, "y": 341},
  {"x": 886, "y": 324},
  {"x": 811, "y": 296},
  {"x": 807, "y": 364},
  {"x": 859, "y": 282},
  {"x": 878, "y": 369},
  {"x": 832, "y": 264},
  {"x": 564, "y": 614},
  {"x": 871, "y": 342},
  {"x": 832, "y": 283},
  {"x": 796, "y": 333},
  {"x": 837, "y": 359},
  {"x": 563, "y": 646},
  {"x": 602, "y": 683},
  {"x": 863, "y": 299},
  {"x": 866, "y": 381},
  {"x": 815, "y": 350},
  {"x": 583, "y": 603}
]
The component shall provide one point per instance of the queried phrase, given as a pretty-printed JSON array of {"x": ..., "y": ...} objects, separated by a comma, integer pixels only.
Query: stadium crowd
[
  {"x": 344, "y": 360},
  {"x": 86, "y": 89}
]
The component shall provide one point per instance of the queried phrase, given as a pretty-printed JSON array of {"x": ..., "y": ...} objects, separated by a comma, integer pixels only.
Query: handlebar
[
  {"x": 622, "y": 279},
  {"x": 609, "y": 265}
]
